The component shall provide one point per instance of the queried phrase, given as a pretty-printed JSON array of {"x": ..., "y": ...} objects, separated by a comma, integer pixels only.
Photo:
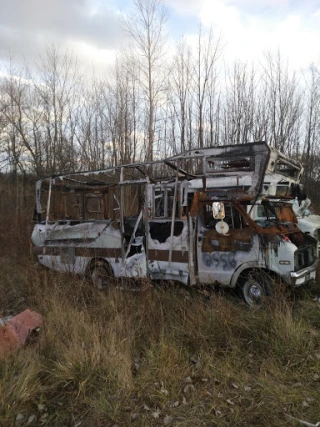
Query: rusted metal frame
[
  {"x": 84, "y": 206},
  {"x": 254, "y": 202},
  {"x": 145, "y": 174},
  {"x": 122, "y": 213},
  {"x": 148, "y": 206},
  {"x": 78, "y": 189},
  {"x": 191, "y": 252},
  {"x": 48, "y": 210},
  {"x": 99, "y": 181},
  {"x": 105, "y": 171},
  {"x": 133, "y": 235},
  {"x": 232, "y": 215},
  {"x": 88, "y": 184},
  {"x": 71, "y": 177},
  {"x": 138, "y": 181},
  {"x": 247, "y": 149},
  {"x": 173, "y": 215},
  {"x": 176, "y": 168},
  {"x": 290, "y": 162},
  {"x": 38, "y": 198},
  {"x": 276, "y": 229},
  {"x": 223, "y": 197},
  {"x": 204, "y": 175},
  {"x": 218, "y": 152},
  {"x": 94, "y": 181},
  {"x": 165, "y": 202},
  {"x": 244, "y": 214},
  {"x": 280, "y": 198},
  {"x": 226, "y": 172}
]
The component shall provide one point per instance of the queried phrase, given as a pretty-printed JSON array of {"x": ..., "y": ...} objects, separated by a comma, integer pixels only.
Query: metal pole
[
  {"x": 173, "y": 217},
  {"x": 48, "y": 209},
  {"x": 122, "y": 214}
]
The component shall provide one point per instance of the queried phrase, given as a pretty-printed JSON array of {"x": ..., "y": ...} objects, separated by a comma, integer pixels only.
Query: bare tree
[
  {"x": 55, "y": 81},
  {"x": 283, "y": 104},
  {"x": 16, "y": 100},
  {"x": 179, "y": 87},
  {"x": 146, "y": 25},
  {"x": 240, "y": 104},
  {"x": 208, "y": 51},
  {"x": 312, "y": 124}
]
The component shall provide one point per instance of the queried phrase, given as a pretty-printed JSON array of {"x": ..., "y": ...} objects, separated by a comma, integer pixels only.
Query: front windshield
[{"x": 264, "y": 213}]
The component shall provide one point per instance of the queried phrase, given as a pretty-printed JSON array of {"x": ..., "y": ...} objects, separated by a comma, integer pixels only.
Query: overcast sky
[{"x": 93, "y": 30}]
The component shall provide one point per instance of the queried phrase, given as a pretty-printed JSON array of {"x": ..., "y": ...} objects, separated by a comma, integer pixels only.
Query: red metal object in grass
[{"x": 14, "y": 333}]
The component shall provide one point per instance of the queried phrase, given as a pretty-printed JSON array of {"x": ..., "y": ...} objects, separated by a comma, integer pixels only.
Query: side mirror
[{"x": 218, "y": 211}]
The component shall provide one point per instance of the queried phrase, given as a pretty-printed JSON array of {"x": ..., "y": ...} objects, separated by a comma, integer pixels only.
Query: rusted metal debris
[{"x": 16, "y": 330}]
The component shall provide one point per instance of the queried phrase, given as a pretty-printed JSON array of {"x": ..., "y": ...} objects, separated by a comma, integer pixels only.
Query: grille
[{"x": 305, "y": 257}]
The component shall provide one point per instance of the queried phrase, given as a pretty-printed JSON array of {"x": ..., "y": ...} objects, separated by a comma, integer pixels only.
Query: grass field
[
  {"x": 162, "y": 356},
  {"x": 156, "y": 357}
]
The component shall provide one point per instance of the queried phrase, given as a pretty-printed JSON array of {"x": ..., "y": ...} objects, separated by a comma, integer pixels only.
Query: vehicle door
[
  {"x": 224, "y": 241},
  {"x": 167, "y": 239}
]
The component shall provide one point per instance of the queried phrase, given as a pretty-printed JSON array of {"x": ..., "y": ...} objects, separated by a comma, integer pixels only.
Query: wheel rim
[
  {"x": 99, "y": 277},
  {"x": 253, "y": 293}
]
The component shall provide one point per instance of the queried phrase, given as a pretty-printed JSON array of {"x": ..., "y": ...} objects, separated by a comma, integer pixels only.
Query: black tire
[
  {"x": 101, "y": 275},
  {"x": 256, "y": 288}
]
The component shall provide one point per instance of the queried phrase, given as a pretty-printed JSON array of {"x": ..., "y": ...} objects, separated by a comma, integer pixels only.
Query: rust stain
[
  {"x": 237, "y": 239},
  {"x": 195, "y": 204},
  {"x": 163, "y": 255},
  {"x": 285, "y": 213}
]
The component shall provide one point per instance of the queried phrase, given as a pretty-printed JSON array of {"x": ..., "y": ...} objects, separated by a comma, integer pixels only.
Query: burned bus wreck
[{"x": 185, "y": 218}]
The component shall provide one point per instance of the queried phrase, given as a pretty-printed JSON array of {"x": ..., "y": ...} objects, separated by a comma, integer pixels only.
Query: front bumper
[{"x": 303, "y": 276}]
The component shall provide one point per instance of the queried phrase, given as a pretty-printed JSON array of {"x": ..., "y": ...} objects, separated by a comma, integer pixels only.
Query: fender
[{"x": 245, "y": 266}]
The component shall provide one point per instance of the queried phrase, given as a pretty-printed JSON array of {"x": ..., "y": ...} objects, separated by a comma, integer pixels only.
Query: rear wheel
[
  {"x": 256, "y": 288},
  {"x": 101, "y": 275}
]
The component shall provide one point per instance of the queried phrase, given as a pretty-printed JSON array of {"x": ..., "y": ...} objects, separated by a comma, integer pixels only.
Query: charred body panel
[{"x": 234, "y": 166}]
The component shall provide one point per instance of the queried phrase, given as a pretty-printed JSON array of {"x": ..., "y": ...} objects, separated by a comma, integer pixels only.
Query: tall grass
[
  {"x": 122, "y": 358},
  {"x": 155, "y": 357}
]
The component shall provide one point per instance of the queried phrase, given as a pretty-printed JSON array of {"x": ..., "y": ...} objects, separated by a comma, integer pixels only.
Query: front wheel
[
  {"x": 101, "y": 276},
  {"x": 256, "y": 288}
]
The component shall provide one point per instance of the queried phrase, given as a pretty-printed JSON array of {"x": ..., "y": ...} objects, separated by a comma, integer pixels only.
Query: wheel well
[
  {"x": 244, "y": 274},
  {"x": 98, "y": 261}
]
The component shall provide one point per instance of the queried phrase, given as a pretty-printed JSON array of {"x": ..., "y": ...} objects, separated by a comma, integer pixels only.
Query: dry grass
[
  {"x": 136, "y": 359},
  {"x": 122, "y": 358}
]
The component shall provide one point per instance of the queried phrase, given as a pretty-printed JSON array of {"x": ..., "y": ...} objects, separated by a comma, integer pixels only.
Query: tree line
[{"x": 151, "y": 104}]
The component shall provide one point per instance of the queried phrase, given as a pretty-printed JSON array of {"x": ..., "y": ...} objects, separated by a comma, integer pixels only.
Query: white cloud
[
  {"x": 91, "y": 27},
  {"x": 255, "y": 4},
  {"x": 249, "y": 28},
  {"x": 185, "y": 6},
  {"x": 26, "y": 27},
  {"x": 93, "y": 57}
]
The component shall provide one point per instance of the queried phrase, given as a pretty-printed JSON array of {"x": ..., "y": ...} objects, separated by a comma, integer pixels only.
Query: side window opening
[
  {"x": 164, "y": 202},
  {"x": 159, "y": 204},
  {"x": 263, "y": 213},
  {"x": 161, "y": 230},
  {"x": 233, "y": 217}
]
